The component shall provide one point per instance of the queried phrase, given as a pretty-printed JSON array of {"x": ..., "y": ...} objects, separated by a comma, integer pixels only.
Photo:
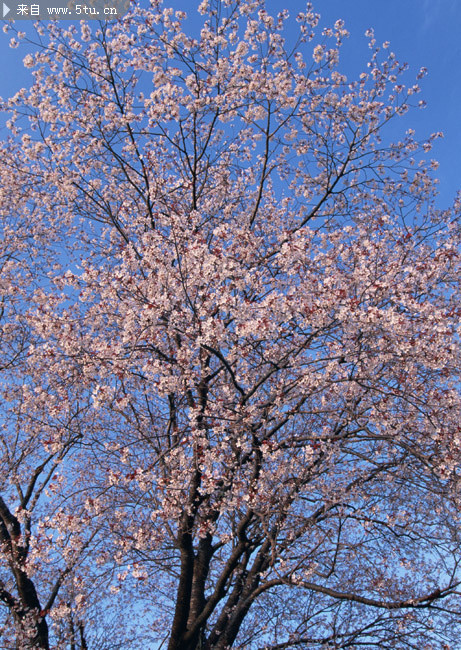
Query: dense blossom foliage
[{"x": 230, "y": 344}]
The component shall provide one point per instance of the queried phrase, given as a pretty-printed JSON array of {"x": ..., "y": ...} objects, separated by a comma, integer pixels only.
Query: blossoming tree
[{"x": 232, "y": 314}]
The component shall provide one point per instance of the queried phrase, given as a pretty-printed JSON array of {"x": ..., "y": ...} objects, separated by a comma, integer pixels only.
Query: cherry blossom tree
[{"x": 231, "y": 343}]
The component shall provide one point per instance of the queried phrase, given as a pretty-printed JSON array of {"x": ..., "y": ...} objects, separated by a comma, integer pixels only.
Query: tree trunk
[{"x": 31, "y": 632}]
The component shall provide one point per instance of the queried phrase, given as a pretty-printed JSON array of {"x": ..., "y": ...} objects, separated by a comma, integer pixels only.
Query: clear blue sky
[{"x": 422, "y": 33}]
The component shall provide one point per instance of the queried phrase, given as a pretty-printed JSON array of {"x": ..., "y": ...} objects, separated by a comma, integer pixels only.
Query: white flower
[
  {"x": 28, "y": 61},
  {"x": 318, "y": 53}
]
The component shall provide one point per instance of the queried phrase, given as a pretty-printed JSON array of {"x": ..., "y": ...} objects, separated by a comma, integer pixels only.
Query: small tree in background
[{"x": 230, "y": 319}]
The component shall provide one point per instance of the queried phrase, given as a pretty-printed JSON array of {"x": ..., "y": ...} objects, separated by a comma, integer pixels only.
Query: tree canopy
[{"x": 230, "y": 355}]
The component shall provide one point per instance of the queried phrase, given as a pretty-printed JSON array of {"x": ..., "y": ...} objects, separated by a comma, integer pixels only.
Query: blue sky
[{"x": 421, "y": 33}]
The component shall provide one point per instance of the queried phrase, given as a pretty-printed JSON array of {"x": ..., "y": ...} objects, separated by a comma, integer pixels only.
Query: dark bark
[
  {"x": 197, "y": 603},
  {"x": 83, "y": 644},
  {"x": 184, "y": 592},
  {"x": 26, "y": 608},
  {"x": 240, "y": 600}
]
